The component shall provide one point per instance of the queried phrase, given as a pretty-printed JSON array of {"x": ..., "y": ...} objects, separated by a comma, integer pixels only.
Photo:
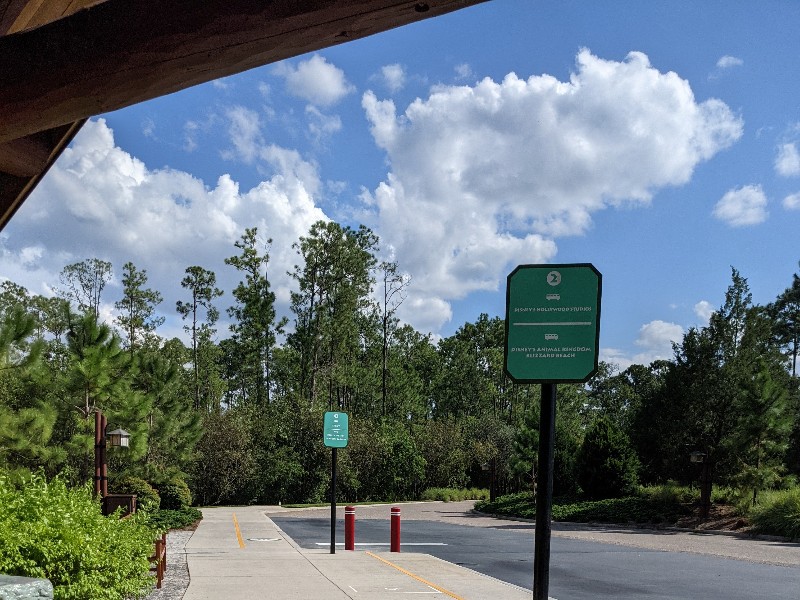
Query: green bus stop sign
[
  {"x": 552, "y": 323},
  {"x": 335, "y": 430}
]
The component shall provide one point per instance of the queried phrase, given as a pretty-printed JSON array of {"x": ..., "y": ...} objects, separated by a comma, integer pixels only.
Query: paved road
[{"x": 636, "y": 564}]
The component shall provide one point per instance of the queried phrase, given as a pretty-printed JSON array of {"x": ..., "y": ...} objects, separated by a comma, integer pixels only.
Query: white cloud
[
  {"x": 481, "y": 177},
  {"x": 787, "y": 163},
  {"x": 463, "y": 71},
  {"x": 704, "y": 309},
  {"x": 244, "y": 130},
  {"x": 394, "y": 77},
  {"x": 742, "y": 206},
  {"x": 315, "y": 80},
  {"x": 727, "y": 62},
  {"x": 322, "y": 126},
  {"x": 656, "y": 339},
  {"x": 792, "y": 202},
  {"x": 99, "y": 201}
]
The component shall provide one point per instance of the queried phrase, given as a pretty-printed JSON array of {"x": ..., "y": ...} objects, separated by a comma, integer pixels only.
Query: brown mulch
[{"x": 722, "y": 517}]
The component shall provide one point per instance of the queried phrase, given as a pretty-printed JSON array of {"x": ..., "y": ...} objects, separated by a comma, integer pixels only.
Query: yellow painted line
[
  {"x": 420, "y": 579},
  {"x": 238, "y": 531}
]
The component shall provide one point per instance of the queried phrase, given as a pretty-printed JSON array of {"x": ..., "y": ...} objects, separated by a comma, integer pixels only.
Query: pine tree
[
  {"x": 137, "y": 307},
  {"x": 203, "y": 286}
]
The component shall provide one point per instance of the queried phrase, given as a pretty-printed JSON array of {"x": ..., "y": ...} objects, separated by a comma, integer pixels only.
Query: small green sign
[
  {"x": 335, "y": 430},
  {"x": 552, "y": 323}
]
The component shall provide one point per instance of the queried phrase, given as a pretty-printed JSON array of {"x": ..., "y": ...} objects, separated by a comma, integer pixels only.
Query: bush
[
  {"x": 175, "y": 494},
  {"x": 607, "y": 465},
  {"x": 48, "y": 530},
  {"x": 454, "y": 495},
  {"x": 147, "y": 498},
  {"x": 669, "y": 492},
  {"x": 778, "y": 513},
  {"x": 164, "y": 520},
  {"x": 617, "y": 510}
]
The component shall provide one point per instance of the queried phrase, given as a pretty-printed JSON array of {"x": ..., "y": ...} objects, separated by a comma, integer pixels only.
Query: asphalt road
[{"x": 579, "y": 569}]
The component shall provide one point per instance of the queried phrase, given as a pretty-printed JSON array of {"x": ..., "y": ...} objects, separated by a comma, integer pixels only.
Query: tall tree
[
  {"x": 335, "y": 284},
  {"x": 394, "y": 286},
  {"x": 99, "y": 376},
  {"x": 137, "y": 307},
  {"x": 203, "y": 287},
  {"x": 84, "y": 283},
  {"x": 785, "y": 312},
  {"x": 253, "y": 325}
]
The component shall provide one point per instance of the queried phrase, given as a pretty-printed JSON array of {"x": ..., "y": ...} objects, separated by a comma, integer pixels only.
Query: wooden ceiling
[{"x": 62, "y": 61}]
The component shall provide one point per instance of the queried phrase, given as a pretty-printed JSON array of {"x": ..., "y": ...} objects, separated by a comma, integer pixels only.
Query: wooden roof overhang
[{"x": 62, "y": 61}]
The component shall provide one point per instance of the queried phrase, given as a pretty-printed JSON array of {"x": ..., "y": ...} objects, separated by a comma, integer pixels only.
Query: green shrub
[
  {"x": 48, "y": 530},
  {"x": 669, "y": 492},
  {"x": 778, "y": 513},
  {"x": 175, "y": 494},
  {"x": 616, "y": 510},
  {"x": 147, "y": 498},
  {"x": 454, "y": 495},
  {"x": 607, "y": 465},
  {"x": 521, "y": 504},
  {"x": 164, "y": 520}
]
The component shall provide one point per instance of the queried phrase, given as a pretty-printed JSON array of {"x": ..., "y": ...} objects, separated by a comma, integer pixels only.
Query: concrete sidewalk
[{"x": 238, "y": 552}]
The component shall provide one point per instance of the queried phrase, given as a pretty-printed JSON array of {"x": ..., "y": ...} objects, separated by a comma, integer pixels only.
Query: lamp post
[
  {"x": 118, "y": 437},
  {"x": 705, "y": 481}
]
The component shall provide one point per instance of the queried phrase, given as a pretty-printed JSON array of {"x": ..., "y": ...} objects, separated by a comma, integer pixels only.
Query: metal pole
[
  {"x": 394, "y": 542},
  {"x": 544, "y": 493},
  {"x": 349, "y": 527},
  {"x": 98, "y": 439},
  {"x": 103, "y": 457},
  {"x": 333, "y": 500}
]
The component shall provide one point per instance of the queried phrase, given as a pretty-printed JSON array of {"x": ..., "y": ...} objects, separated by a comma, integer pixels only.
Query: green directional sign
[
  {"x": 552, "y": 323},
  {"x": 335, "y": 430}
]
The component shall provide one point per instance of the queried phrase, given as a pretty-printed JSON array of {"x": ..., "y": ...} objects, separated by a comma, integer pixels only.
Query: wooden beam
[
  {"x": 14, "y": 188},
  {"x": 24, "y": 157},
  {"x": 120, "y": 52},
  {"x": 17, "y": 15}
]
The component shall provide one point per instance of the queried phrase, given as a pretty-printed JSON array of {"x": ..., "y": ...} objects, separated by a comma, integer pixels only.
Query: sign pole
[
  {"x": 544, "y": 493},
  {"x": 552, "y": 336},
  {"x": 333, "y": 500}
]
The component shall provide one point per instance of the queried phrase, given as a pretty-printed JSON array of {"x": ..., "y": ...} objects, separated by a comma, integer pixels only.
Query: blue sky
[{"x": 658, "y": 141}]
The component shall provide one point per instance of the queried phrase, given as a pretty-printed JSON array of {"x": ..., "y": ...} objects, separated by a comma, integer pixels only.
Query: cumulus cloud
[
  {"x": 163, "y": 220},
  {"x": 787, "y": 163},
  {"x": 463, "y": 71},
  {"x": 394, "y": 77},
  {"x": 742, "y": 206},
  {"x": 488, "y": 175},
  {"x": 656, "y": 339},
  {"x": 728, "y": 62},
  {"x": 244, "y": 131},
  {"x": 792, "y": 202},
  {"x": 704, "y": 309},
  {"x": 315, "y": 80},
  {"x": 320, "y": 125}
]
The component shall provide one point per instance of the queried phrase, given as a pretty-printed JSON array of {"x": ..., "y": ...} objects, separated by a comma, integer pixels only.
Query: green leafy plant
[
  {"x": 175, "y": 494},
  {"x": 778, "y": 513},
  {"x": 147, "y": 498},
  {"x": 454, "y": 495},
  {"x": 51, "y": 531},
  {"x": 164, "y": 520}
]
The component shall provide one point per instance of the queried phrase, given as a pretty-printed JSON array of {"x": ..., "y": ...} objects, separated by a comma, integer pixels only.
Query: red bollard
[
  {"x": 349, "y": 528},
  {"x": 395, "y": 542}
]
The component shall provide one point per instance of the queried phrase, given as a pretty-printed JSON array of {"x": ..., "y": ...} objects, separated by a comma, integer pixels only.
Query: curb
[{"x": 596, "y": 525}]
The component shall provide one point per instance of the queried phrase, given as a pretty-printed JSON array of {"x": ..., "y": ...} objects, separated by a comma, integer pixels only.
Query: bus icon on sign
[
  {"x": 551, "y": 336},
  {"x": 553, "y": 296}
]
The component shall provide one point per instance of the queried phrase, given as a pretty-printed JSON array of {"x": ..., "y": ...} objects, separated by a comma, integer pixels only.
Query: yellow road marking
[
  {"x": 420, "y": 579},
  {"x": 238, "y": 531}
]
